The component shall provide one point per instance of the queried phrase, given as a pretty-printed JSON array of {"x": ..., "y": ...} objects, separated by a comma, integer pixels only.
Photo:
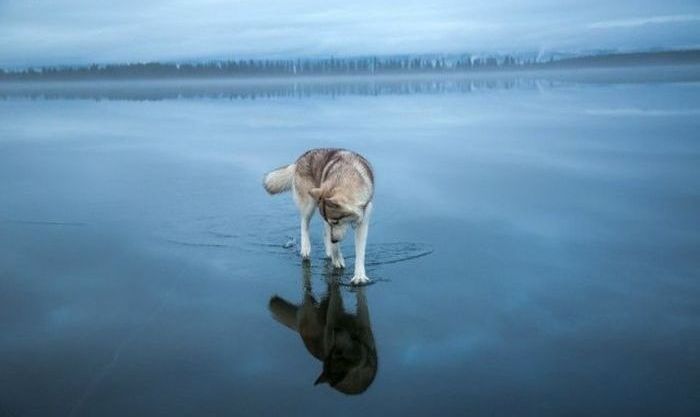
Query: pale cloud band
[
  {"x": 652, "y": 20},
  {"x": 50, "y": 32}
]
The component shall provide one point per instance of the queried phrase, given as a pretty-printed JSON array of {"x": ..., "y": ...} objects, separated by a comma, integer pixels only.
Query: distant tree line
[
  {"x": 264, "y": 90},
  {"x": 338, "y": 66},
  {"x": 249, "y": 68}
]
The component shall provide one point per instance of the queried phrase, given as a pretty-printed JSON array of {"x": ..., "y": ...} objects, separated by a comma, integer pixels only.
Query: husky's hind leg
[
  {"x": 360, "y": 243},
  {"x": 332, "y": 249}
]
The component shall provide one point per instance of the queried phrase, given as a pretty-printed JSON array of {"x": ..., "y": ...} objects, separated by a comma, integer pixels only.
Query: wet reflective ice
[{"x": 534, "y": 245}]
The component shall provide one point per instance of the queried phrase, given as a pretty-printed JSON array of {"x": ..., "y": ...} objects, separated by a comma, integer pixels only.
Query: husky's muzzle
[{"x": 338, "y": 232}]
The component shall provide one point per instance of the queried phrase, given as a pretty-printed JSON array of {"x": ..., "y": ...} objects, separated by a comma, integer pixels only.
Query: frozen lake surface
[{"x": 535, "y": 247}]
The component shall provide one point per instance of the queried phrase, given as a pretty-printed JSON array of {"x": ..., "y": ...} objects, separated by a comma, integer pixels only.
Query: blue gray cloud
[
  {"x": 34, "y": 32},
  {"x": 653, "y": 20}
]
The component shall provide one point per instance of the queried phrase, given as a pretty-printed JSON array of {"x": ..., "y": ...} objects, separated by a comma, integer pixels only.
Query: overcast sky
[{"x": 43, "y": 32}]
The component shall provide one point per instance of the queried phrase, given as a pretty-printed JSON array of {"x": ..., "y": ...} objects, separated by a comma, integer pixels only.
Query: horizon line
[{"x": 535, "y": 54}]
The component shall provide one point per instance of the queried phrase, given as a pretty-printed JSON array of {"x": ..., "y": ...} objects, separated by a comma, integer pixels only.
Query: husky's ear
[
  {"x": 322, "y": 379},
  {"x": 335, "y": 200},
  {"x": 357, "y": 211},
  {"x": 316, "y": 193},
  {"x": 348, "y": 207}
]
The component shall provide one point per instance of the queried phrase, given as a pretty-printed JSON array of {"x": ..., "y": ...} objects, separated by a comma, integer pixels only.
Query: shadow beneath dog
[{"x": 341, "y": 340}]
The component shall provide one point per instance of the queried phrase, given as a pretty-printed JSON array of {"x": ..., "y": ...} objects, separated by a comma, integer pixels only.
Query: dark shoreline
[
  {"x": 427, "y": 66},
  {"x": 397, "y": 84}
]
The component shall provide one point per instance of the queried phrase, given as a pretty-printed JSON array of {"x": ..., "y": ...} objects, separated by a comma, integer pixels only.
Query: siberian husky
[{"x": 341, "y": 184}]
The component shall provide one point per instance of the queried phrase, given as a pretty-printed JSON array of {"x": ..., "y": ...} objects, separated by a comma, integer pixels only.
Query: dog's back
[{"x": 330, "y": 164}]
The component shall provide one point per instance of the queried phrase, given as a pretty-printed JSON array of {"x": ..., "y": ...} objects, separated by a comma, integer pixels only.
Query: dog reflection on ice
[{"x": 342, "y": 341}]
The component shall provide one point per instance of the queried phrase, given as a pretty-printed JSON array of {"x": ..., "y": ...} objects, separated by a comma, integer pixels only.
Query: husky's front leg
[
  {"x": 306, "y": 211},
  {"x": 332, "y": 249},
  {"x": 360, "y": 244}
]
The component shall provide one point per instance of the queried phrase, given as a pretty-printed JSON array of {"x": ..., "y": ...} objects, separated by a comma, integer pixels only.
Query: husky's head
[
  {"x": 351, "y": 364},
  {"x": 338, "y": 210}
]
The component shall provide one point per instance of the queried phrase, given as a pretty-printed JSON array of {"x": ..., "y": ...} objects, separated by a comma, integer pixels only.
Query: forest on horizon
[{"x": 341, "y": 66}]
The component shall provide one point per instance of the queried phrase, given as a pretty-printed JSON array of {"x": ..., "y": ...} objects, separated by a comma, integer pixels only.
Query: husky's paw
[
  {"x": 305, "y": 252},
  {"x": 359, "y": 280},
  {"x": 338, "y": 262}
]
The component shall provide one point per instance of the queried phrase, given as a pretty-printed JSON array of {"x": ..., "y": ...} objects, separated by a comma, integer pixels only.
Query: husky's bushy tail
[
  {"x": 279, "y": 180},
  {"x": 284, "y": 312}
]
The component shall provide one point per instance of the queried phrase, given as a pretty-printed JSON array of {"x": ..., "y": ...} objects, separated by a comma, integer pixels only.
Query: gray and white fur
[{"x": 341, "y": 184}]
